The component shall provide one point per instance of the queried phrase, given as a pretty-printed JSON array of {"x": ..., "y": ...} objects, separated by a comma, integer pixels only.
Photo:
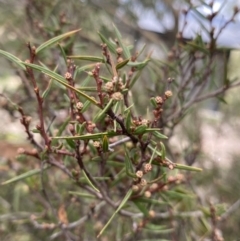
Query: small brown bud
[
  {"x": 135, "y": 188},
  {"x": 71, "y": 128},
  {"x": 79, "y": 105},
  {"x": 34, "y": 49},
  {"x": 147, "y": 167},
  {"x": 171, "y": 179},
  {"x": 98, "y": 226},
  {"x": 28, "y": 119},
  {"x": 21, "y": 151},
  {"x": 185, "y": 11},
  {"x": 159, "y": 99},
  {"x": 168, "y": 93},
  {"x": 153, "y": 187},
  {"x": 120, "y": 59},
  {"x": 68, "y": 76},
  {"x": 165, "y": 188},
  {"x": 147, "y": 194},
  {"x": 34, "y": 151},
  {"x": 139, "y": 174},
  {"x": 96, "y": 144},
  {"x": 151, "y": 213},
  {"x": 119, "y": 50},
  {"x": 117, "y": 96},
  {"x": 235, "y": 9},
  {"x": 143, "y": 183},
  {"x": 145, "y": 122},
  {"x": 91, "y": 126},
  {"x": 109, "y": 86}
]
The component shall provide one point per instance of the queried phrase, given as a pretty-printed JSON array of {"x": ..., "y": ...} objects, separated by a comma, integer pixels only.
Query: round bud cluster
[
  {"x": 79, "y": 105},
  {"x": 135, "y": 188},
  {"x": 139, "y": 174},
  {"x": 147, "y": 194},
  {"x": 68, "y": 76},
  {"x": 121, "y": 85},
  {"x": 145, "y": 122},
  {"x": 109, "y": 86},
  {"x": 159, "y": 100},
  {"x": 151, "y": 213},
  {"x": 91, "y": 126},
  {"x": 119, "y": 50},
  {"x": 96, "y": 144},
  {"x": 147, "y": 167},
  {"x": 143, "y": 183},
  {"x": 117, "y": 96},
  {"x": 168, "y": 93},
  {"x": 153, "y": 187},
  {"x": 120, "y": 59}
]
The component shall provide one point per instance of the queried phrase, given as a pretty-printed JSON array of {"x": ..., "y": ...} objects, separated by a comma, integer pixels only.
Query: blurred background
[{"x": 206, "y": 131}]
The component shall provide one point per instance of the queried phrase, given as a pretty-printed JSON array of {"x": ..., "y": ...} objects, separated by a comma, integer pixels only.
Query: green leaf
[
  {"x": 128, "y": 120},
  {"x": 124, "y": 201},
  {"x": 85, "y": 106},
  {"x": 88, "y": 58},
  {"x": 54, "y": 40},
  {"x": 61, "y": 80},
  {"x": 105, "y": 144},
  {"x": 126, "y": 51},
  {"x": 140, "y": 130},
  {"x": 153, "y": 154},
  {"x": 71, "y": 143},
  {"x": 128, "y": 164},
  {"x": 187, "y": 168},
  {"x": 111, "y": 46},
  {"x": 143, "y": 209},
  {"x": 88, "y": 136},
  {"x": 81, "y": 128},
  {"x": 138, "y": 65},
  {"x": 153, "y": 102},
  {"x": 135, "y": 78},
  {"x": 141, "y": 50},
  {"x": 47, "y": 90},
  {"x": 63, "y": 53},
  {"x": 163, "y": 151},
  {"x": 22, "y": 176},
  {"x": 158, "y": 229},
  {"x": 159, "y": 135},
  {"x": 178, "y": 195},
  {"x": 102, "y": 114},
  {"x": 13, "y": 59},
  {"x": 61, "y": 129},
  {"x": 122, "y": 64},
  {"x": 89, "y": 182},
  {"x": 85, "y": 195}
]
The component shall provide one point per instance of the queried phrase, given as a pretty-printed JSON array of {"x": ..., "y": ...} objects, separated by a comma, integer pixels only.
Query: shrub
[{"x": 99, "y": 162}]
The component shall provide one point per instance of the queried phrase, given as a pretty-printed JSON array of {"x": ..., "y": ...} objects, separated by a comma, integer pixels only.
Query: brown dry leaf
[{"x": 62, "y": 214}]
